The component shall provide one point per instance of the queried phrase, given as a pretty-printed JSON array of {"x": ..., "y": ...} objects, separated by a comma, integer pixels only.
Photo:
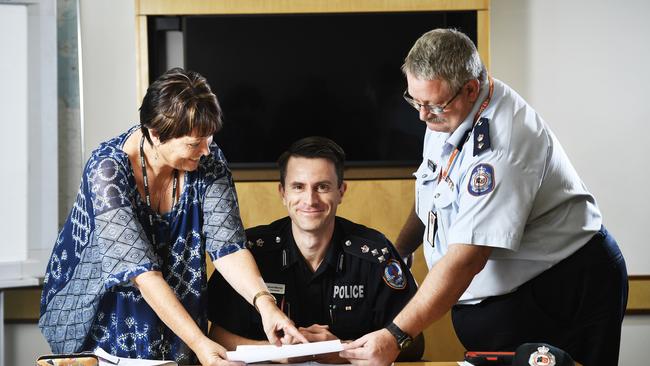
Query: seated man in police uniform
[{"x": 332, "y": 277}]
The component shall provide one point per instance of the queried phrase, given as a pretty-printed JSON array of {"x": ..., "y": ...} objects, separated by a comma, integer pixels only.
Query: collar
[
  {"x": 457, "y": 138},
  {"x": 291, "y": 254}
]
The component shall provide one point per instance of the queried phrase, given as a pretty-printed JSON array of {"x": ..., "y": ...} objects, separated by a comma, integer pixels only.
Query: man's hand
[
  {"x": 278, "y": 328},
  {"x": 378, "y": 348},
  {"x": 317, "y": 333}
]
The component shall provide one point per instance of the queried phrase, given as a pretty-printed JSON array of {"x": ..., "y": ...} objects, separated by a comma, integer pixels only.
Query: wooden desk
[{"x": 425, "y": 364}]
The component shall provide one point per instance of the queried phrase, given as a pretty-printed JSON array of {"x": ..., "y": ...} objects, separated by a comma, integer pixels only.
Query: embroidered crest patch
[
  {"x": 394, "y": 275},
  {"x": 482, "y": 180},
  {"x": 543, "y": 357}
]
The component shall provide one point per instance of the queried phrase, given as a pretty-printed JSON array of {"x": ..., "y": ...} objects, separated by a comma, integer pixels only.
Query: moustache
[{"x": 435, "y": 119}]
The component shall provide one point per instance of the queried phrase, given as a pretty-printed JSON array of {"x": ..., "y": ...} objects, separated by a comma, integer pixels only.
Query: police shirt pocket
[
  {"x": 425, "y": 183},
  {"x": 443, "y": 198},
  {"x": 350, "y": 319}
]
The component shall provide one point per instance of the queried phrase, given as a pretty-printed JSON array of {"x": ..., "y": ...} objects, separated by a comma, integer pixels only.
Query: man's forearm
[
  {"x": 442, "y": 287},
  {"x": 410, "y": 237}
]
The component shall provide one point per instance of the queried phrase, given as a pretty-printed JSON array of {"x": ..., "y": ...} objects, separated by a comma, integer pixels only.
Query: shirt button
[
  {"x": 437, "y": 195},
  {"x": 425, "y": 175}
]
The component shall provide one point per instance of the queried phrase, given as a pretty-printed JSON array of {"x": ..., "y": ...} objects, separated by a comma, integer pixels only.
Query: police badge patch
[
  {"x": 481, "y": 180},
  {"x": 543, "y": 357},
  {"x": 394, "y": 275}
]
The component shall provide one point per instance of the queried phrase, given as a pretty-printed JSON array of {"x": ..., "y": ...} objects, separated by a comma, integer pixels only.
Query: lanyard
[
  {"x": 146, "y": 189},
  {"x": 443, "y": 175}
]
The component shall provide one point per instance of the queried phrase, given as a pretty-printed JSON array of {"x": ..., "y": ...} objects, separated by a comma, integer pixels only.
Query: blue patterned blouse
[{"x": 88, "y": 298}]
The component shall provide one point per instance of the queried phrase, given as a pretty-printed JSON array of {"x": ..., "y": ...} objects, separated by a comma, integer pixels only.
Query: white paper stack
[
  {"x": 106, "y": 359},
  {"x": 250, "y": 354}
]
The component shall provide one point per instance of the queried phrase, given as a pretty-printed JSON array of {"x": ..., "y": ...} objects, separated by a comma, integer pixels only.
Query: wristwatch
[{"x": 403, "y": 340}]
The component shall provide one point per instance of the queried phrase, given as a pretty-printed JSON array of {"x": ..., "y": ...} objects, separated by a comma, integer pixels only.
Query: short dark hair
[
  {"x": 314, "y": 147},
  {"x": 179, "y": 103}
]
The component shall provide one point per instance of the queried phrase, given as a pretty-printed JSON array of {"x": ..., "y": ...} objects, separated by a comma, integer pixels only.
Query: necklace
[{"x": 145, "y": 181}]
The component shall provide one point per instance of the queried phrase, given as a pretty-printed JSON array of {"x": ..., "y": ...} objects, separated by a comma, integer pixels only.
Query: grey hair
[{"x": 445, "y": 54}]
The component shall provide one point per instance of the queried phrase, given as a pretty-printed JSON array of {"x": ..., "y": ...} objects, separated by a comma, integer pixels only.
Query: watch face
[{"x": 405, "y": 343}]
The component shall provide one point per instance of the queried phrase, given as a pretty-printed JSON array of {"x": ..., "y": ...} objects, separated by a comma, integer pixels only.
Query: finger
[
  {"x": 359, "y": 362},
  {"x": 316, "y": 327},
  {"x": 234, "y": 363},
  {"x": 308, "y": 335},
  {"x": 307, "y": 332},
  {"x": 274, "y": 337},
  {"x": 356, "y": 343},
  {"x": 287, "y": 339},
  {"x": 354, "y": 354},
  {"x": 290, "y": 330}
]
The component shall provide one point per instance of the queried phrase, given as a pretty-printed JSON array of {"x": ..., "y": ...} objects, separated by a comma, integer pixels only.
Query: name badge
[
  {"x": 431, "y": 229},
  {"x": 276, "y": 288}
]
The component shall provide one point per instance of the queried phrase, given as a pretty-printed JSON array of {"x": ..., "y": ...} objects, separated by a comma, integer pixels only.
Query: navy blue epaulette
[
  {"x": 481, "y": 136},
  {"x": 266, "y": 238},
  {"x": 365, "y": 243}
]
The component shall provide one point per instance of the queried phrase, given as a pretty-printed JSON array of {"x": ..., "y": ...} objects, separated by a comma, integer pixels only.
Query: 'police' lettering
[{"x": 348, "y": 292}]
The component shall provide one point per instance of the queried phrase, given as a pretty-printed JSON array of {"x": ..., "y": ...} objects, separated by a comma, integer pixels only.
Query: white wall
[
  {"x": 28, "y": 154},
  {"x": 13, "y": 154},
  {"x": 583, "y": 64},
  {"x": 108, "y": 69}
]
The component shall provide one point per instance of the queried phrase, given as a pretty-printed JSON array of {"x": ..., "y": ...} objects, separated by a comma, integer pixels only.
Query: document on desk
[
  {"x": 250, "y": 354},
  {"x": 106, "y": 359}
]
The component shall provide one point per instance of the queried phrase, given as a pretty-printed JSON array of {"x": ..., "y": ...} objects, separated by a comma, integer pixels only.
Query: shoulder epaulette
[
  {"x": 265, "y": 237},
  {"x": 481, "y": 136},
  {"x": 366, "y": 243}
]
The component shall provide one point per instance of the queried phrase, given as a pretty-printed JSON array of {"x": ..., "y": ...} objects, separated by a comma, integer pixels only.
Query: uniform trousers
[{"x": 576, "y": 305}]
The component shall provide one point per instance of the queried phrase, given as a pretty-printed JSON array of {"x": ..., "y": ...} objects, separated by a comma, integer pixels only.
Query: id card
[
  {"x": 276, "y": 288},
  {"x": 431, "y": 228}
]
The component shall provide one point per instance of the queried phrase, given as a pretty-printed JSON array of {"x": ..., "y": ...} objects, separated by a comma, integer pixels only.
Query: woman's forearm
[
  {"x": 160, "y": 297},
  {"x": 240, "y": 271}
]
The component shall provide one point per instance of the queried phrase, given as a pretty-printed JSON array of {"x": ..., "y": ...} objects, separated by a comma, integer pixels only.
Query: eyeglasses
[{"x": 433, "y": 109}]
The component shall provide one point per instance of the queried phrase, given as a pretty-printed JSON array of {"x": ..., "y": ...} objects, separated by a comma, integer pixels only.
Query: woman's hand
[
  {"x": 278, "y": 328},
  {"x": 210, "y": 353}
]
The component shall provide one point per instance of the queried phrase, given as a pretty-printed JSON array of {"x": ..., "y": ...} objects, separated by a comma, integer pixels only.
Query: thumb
[{"x": 357, "y": 343}]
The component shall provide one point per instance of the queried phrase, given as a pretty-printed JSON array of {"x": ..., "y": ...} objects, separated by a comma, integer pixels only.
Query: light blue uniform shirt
[{"x": 521, "y": 196}]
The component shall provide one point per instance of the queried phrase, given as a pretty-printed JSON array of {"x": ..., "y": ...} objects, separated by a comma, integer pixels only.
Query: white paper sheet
[
  {"x": 310, "y": 363},
  {"x": 106, "y": 359},
  {"x": 250, "y": 354}
]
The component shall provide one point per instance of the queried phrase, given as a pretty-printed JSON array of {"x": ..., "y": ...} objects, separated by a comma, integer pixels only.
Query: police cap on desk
[{"x": 541, "y": 354}]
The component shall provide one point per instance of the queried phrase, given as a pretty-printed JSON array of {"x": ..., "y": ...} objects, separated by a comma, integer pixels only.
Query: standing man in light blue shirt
[{"x": 513, "y": 238}]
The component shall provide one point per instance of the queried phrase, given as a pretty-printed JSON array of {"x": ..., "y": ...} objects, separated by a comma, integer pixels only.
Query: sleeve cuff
[
  {"x": 128, "y": 274},
  {"x": 224, "y": 250}
]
